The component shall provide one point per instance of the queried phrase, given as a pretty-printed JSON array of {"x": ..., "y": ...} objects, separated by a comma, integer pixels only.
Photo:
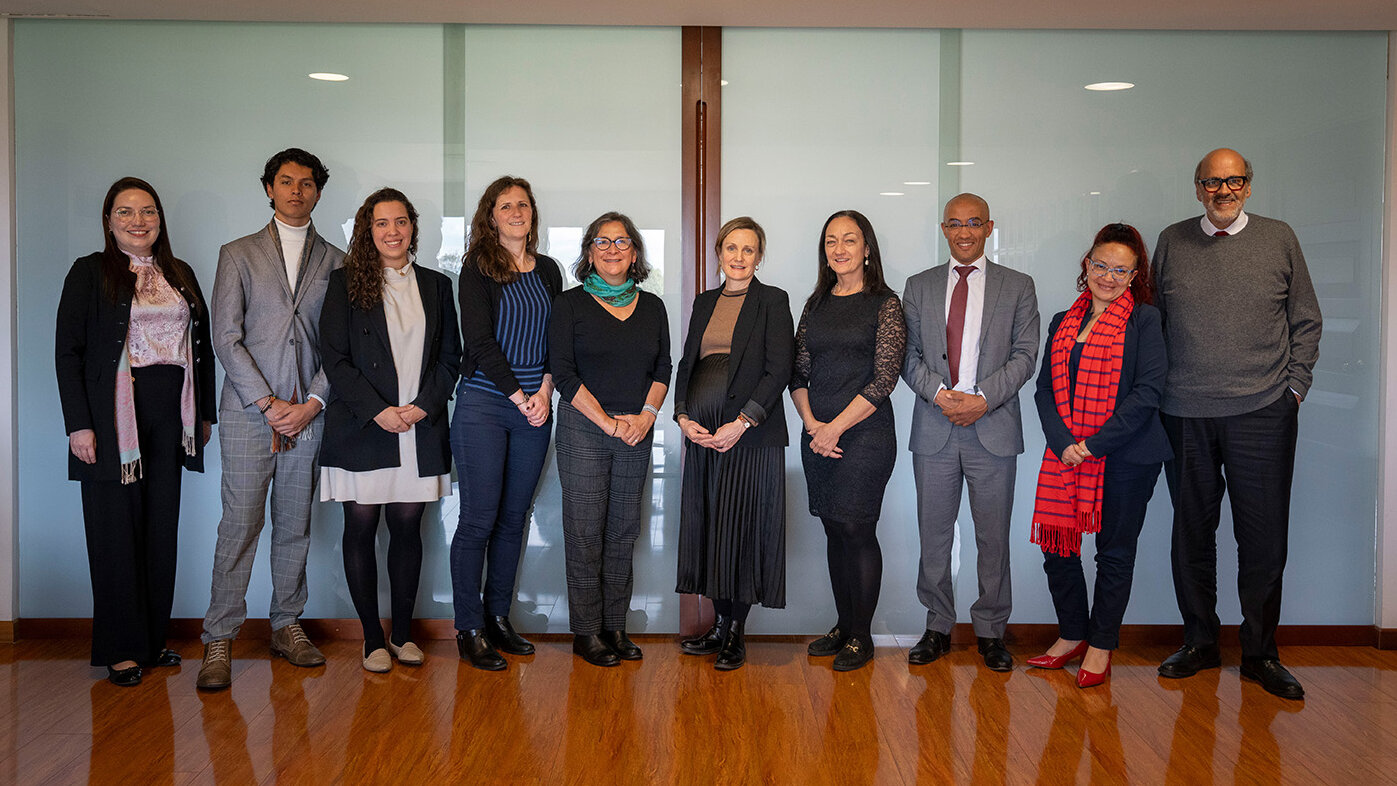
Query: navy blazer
[
  {"x": 90, "y": 334},
  {"x": 759, "y": 365},
  {"x": 1134, "y": 433},
  {"x": 358, "y": 361}
]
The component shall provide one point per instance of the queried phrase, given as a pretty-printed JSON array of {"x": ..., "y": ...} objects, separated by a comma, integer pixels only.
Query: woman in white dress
[{"x": 391, "y": 349}]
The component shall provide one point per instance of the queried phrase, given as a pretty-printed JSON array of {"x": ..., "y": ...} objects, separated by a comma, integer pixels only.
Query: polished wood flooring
[{"x": 784, "y": 718}]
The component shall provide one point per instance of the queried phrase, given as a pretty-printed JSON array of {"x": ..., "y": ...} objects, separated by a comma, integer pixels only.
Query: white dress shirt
[
  {"x": 974, "y": 311},
  {"x": 1236, "y": 226}
]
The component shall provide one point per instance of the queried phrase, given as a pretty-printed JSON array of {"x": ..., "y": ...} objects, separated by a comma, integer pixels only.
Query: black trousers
[
  {"x": 1251, "y": 457},
  {"x": 132, "y": 530}
]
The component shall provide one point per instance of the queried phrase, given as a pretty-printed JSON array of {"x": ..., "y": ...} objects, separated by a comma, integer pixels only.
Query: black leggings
[
  {"x": 733, "y": 610},
  {"x": 404, "y": 565},
  {"x": 855, "y": 574}
]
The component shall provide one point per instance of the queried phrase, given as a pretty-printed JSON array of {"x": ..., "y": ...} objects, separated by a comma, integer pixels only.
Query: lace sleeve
[
  {"x": 800, "y": 377},
  {"x": 889, "y": 350}
]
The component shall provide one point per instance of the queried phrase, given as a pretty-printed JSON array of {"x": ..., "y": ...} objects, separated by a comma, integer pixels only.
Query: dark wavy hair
[
  {"x": 873, "y": 282},
  {"x": 295, "y": 155},
  {"x": 118, "y": 282},
  {"x": 363, "y": 271},
  {"x": 1142, "y": 286},
  {"x": 640, "y": 268},
  {"x": 485, "y": 252}
]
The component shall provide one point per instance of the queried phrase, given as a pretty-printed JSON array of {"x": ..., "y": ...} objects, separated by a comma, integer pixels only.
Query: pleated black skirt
[{"x": 732, "y": 521}]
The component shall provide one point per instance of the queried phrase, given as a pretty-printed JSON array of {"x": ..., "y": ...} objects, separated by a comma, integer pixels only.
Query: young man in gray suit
[
  {"x": 972, "y": 343},
  {"x": 266, "y": 311}
]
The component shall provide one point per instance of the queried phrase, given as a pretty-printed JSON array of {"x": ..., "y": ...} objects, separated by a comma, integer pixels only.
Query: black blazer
[
  {"x": 759, "y": 366},
  {"x": 1134, "y": 433},
  {"x": 88, "y": 340},
  {"x": 480, "y": 307},
  {"x": 358, "y": 361}
]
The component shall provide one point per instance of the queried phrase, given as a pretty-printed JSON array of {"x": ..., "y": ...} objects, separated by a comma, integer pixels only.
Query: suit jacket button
[{"x": 943, "y": 355}]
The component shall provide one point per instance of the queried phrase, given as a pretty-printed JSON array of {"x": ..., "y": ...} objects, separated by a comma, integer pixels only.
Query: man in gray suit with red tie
[
  {"x": 266, "y": 311},
  {"x": 972, "y": 343}
]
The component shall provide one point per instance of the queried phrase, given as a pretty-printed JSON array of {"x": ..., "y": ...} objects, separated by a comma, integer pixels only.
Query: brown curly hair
[
  {"x": 485, "y": 252},
  {"x": 363, "y": 271}
]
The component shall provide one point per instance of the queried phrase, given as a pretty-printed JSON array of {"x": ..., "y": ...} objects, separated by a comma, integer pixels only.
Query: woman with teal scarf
[{"x": 608, "y": 345}]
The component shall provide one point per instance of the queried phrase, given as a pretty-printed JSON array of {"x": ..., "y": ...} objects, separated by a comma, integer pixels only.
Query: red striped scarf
[{"x": 1069, "y": 498}]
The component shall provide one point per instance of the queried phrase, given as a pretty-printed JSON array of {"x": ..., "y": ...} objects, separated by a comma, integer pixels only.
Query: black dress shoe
[
  {"x": 503, "y": 638},
  {"x": 734, "y": 651},
  {"x": 855, "y": 655},
  {"x": 829, "y": 644},
  {"x": 1273, "y": 677},
  {"x": 165, "y": 658},
  {"x": 621, "y": 644},
  {"x": 475, "y": 649},
  {"x": 997, "y": 658},
  {"x": 711, "y": 641},
  {"x": 932, "y": 645},
  {"x": 1188, "y": 661},
  {"x": 128, "y": 677},
  {"x": 595, "y": 651}
]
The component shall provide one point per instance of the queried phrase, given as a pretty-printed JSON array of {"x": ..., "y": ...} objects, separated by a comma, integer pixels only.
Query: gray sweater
[{"x": 1241, "y": 320}]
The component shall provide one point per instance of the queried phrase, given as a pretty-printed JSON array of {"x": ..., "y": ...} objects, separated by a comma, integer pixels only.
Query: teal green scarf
[{"x": 618, "y": 296}]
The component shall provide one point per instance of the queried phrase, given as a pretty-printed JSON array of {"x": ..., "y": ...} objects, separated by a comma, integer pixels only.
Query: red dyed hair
[{"x": 1142, "y": 286}]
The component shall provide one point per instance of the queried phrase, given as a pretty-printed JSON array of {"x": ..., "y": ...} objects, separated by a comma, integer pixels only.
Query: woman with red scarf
[{"x": 1098, "y": 399}]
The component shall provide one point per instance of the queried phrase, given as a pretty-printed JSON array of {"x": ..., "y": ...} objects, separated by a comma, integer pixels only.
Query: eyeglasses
[
  {"x": 1234, "y": 183},
  {"x": 1100, "y": 270},
  {"x": 974, "y": 223},
  {"x": 603, "y": 243},
  {"x": 126, "y": 213}
]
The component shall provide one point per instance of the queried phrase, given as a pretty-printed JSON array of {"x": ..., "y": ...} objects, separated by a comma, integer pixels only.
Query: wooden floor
[{"x": 784, "y": 718}]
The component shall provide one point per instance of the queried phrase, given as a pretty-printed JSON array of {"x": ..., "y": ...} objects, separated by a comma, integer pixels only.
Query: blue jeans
[{"x": 499, "y": 458}]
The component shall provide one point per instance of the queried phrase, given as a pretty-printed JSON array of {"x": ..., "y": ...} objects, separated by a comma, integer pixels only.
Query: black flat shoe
[
  {"x": 595, "y": 651},
  {"x": 855, "y": 655},
  {"x": 734, "y": 651},
  {"x": 621, "y": 644},
  {"x": 997, "y": 658},
  {"x": 1273, "y": 677},
  {"x": 124, "y": 678},
  {"x": 932, "y": 645},
  {"x": 1188, "y": 661},
  {"x": 166, "y": 658},
  {"x": 475, "y": 649},
  {"x": 829, "y": 644},
  {"x": 501, "y": 634},
  {"x": 711, "y": 641}
]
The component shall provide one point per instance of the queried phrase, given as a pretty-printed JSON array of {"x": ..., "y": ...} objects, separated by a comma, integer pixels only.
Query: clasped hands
[
  {"x": 721, "y": 440},
  {"x": 535, "y": 408},
  {"x": 1076, "y": 453},
  {"x": 824, "y": 438},
  {"x": 288, "y": 419},
  {"x": 399, "y": 419},
  {"x": 631, "y": 429},
  {"x": 962, "y": 409}
]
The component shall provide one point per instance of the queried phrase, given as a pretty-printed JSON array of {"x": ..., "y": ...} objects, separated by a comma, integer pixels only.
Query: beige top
[{"x": 717, "y": 337}]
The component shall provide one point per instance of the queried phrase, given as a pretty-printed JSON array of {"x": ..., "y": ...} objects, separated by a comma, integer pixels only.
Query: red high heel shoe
[
  {"x": 1058, "y": 661},
  {"x": 1090, "y": 679}
]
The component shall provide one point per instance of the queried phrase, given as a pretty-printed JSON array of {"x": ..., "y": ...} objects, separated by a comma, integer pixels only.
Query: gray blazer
[
  {"x": 266, "y": 336},
  {"x": 1008, "y": 356}
]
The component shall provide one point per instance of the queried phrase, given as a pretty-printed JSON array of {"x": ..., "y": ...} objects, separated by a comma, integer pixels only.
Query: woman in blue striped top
[{"x": 502, "y": 424}]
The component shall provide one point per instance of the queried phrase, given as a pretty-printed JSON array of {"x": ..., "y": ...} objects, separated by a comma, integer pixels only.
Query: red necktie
[
  {"x": 955, "y": 322},
  {"x": 1219, "y": 233}
]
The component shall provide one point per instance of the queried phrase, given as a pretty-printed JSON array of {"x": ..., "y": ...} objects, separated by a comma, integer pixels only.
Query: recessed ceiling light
[
  {"x": 1093, "y": 193},
  {"x": 722, "y": 83},
  {"x": 1103, "y": 86},
  {"x": 890, "y": 193},
  {"x": 960, "y": 163},
  {"x": 326, "y": 76},
  {"x": 916, "y": 182}
]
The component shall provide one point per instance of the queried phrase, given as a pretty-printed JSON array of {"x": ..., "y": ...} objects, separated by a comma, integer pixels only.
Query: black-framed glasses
[
  {"x": 1234, "y": 183},
  {"x": 974, "y": 223},
  {"x": 1101, "y": 270},
  {"x": 603, "y": 243}
]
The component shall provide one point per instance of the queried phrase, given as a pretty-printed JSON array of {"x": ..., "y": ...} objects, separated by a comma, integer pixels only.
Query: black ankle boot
[
  {"x": 711, "y": 641},
  {"x": 592, "y": 649},
  {"x": 476, "y": 650},
  {"x": 502, "y": 636},
  {"x": 621, "y": 644},
  {"x": 734, "y": 651}
]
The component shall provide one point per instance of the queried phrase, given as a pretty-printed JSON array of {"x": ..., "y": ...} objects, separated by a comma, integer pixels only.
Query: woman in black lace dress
[{"x": 849, "y": 350}]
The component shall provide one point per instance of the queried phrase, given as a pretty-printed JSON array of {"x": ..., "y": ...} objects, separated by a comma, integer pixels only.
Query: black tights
[
  {"x": 855, "y": 574},
  {"x": 404, "y": 565},
  {"x": 733, "y": 610}
]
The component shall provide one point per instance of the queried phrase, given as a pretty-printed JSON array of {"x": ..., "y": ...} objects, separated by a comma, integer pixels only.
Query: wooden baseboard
[{"x": 1027, "y": 634}]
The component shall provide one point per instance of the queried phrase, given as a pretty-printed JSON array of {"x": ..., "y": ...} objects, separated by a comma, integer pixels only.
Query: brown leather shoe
[
  {"x": 216, "y": 673},
  {"x": 292, "y": 643}
]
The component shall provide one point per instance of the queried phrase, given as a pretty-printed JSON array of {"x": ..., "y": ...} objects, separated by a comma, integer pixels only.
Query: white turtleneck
[{"x": 293, "y": 244}]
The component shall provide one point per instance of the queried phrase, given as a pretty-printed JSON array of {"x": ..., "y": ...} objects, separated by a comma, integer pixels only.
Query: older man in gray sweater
[{"x": 1242, "y": 327}]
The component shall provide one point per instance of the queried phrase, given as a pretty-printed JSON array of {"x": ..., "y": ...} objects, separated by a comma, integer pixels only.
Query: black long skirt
[{"x": 732, "y": 521}]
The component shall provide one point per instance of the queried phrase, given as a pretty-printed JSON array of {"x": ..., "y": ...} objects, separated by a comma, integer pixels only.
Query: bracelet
[
  {"x": 270, "y": 401},
  {"x": 745, "y": 421},
  {"x": 652, "y": 410},
  {"x": 616, "y": 427}
]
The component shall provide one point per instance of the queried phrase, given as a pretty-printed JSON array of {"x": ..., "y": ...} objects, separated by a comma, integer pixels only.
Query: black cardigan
[
  {"x": 759, "y": 365},
  {"x": 358, "y": 360},
  {"x": 90, "y": 334},
  {"x": 479, "y": 296},
  {"x": 1134, "y": 433}
]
